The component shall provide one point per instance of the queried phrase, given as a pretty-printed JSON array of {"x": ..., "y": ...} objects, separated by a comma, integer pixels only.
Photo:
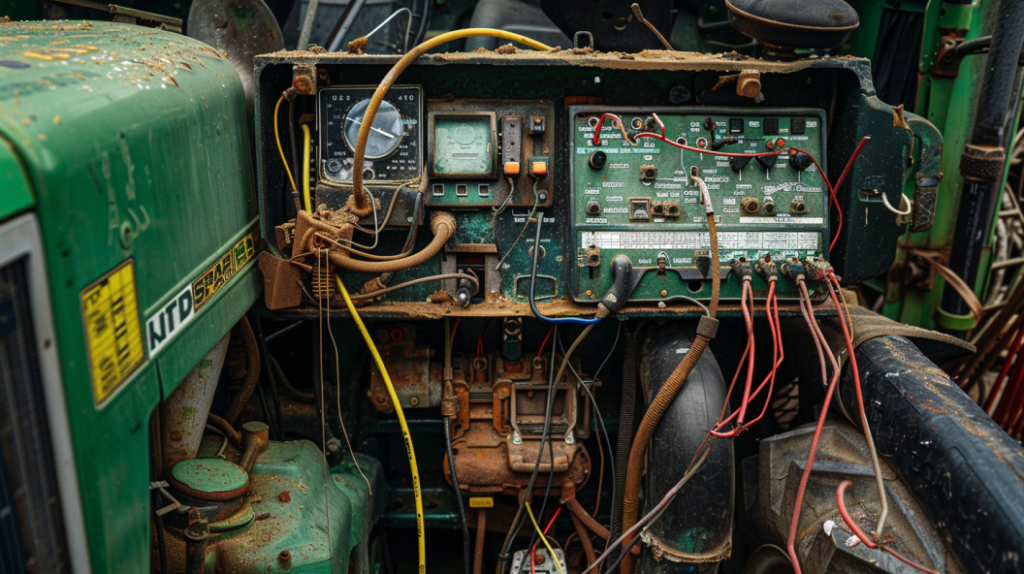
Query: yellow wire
[
  {"x": 544, "y": 539},
  {"x": 277, "y": 136},
  {"x": 305, "y": 169},
  {"x": 405, "y": 427},
  {"x": 378, "y": 95}
]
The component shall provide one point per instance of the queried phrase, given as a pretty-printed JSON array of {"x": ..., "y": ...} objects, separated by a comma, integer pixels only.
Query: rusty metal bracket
[{"x": 929, "y": 172}]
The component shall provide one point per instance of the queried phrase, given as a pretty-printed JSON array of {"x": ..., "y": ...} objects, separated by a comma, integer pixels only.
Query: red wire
[
  {"x": 998, "y": 385},
  {"x": 545, "y": 341},
  {"x": 795, "y": 522},
  {"x": 748, "y": 318},
  {"x": 840, "y": 492},
  {"x": 533, "y": 551},
  {"x": 1013, "y": 389},
  {"x": 777, "y": 354},
  {"x": 839, "y": 182},
  {"x": 1015, "y": 412},
  {"x": 741, "y": 424},
  {"x": 831, "y": 189},
  {"x": 480, "y": 345},
  {"x": 600, "y": 122},
  {"x": 777, "y": 351}
]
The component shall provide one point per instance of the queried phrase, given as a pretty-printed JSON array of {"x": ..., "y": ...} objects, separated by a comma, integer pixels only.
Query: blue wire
[{"x": 533, "y": 283}]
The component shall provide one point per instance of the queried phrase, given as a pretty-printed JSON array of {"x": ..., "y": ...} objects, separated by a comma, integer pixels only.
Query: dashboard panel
[
  {"x": 633, "y": 194},
  {"x": 497, "y": 142}
]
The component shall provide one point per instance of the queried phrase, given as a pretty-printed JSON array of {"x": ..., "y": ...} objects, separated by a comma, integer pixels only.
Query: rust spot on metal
[{"x": 285, "y": 496}]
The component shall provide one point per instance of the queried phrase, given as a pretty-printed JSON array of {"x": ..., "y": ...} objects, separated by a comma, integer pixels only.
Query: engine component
[
  {"x": 543, "y": 564},
  {"x": 279, "y": 517},
  {"x": 497, "y": 433}
]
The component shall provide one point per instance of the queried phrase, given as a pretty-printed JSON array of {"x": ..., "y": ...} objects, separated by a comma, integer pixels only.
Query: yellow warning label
[
  {"x": 481, "y": 502},
  {"x": 113, "y": 335}
]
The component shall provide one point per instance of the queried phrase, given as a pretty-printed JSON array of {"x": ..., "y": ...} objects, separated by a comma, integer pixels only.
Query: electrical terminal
[
  {"x": 817, "y": 269},
  {"x": 767, "y": 268},
  {"x": 792, "y": 268},
  {"x": 741, "y": 268}
]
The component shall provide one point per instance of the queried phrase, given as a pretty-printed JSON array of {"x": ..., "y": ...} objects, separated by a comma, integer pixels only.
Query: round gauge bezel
[{"x": 352, "y": 145}]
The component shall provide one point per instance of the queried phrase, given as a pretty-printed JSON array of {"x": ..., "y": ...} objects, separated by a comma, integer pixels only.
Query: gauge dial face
[
  {"x": 393, "y": 146},
  {"x": 385, "y": 133}
]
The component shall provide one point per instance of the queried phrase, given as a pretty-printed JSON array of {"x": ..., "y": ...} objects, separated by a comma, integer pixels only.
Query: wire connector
[
  {"x": 742, "y": 269},
  {"x": 767, "y": 268},
  {"x": 817, "y": 268},
  {"x": 793, "y": 269},
  {"x": 707, "y": 327}
]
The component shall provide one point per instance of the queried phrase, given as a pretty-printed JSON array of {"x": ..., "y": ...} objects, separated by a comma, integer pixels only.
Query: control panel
[
  {"x": 489, "y": 153},
  {"x": 633, "y": 193}
]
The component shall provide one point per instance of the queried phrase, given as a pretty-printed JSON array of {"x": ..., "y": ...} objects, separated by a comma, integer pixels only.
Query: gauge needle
[{"x": 381, "y": 132}]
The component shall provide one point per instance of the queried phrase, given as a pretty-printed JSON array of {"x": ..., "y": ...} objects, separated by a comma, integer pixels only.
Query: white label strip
[
  {"x": 749, "y": 240},
  {"x": 783, "y": 220}
]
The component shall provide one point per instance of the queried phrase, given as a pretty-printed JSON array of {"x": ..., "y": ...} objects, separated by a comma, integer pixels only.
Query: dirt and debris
[
  {"x": 285, "y": 496},
  {"x": 358, "y": 46}
]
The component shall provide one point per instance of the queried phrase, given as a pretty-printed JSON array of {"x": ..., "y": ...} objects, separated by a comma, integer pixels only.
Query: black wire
[
  {"x": 466, "y": 558},
  {"x": 600, "y": 419},
  {"x": 547, "y": 489},
  {"x": 517, "y": 522},
  {"x": 158, "y": 502},
  {"x": 266, "y": 410},
  {"x": 268, "y": 369},
  {"x": 424, "y": 23}
]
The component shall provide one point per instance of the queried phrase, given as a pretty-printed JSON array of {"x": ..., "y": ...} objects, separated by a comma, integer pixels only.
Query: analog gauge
[
  {"x": 393, "y": 146},
  {"x": 385, "y": 133}
]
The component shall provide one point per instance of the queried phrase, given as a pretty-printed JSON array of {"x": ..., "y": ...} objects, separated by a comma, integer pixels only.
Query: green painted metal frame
[
  {"x": 949, "y": 103},
  {"x": 126, "y": 129}
]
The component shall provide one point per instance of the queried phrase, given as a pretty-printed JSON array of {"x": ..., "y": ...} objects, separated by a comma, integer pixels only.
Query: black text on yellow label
[
  {"x": 113, "y": 334},
  {"x": 481, "y": 502}
]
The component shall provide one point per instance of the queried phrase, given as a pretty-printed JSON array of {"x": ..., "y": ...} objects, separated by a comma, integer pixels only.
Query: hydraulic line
[
  {"x": 442, "y": 224},
  {"x": 661, "y": 402},
  {"x": 359, "y": 203},
  {"x": 406, "y": 435}
]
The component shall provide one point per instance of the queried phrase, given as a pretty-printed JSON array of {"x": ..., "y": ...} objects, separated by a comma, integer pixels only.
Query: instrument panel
[{"x": 632, "y": 193}]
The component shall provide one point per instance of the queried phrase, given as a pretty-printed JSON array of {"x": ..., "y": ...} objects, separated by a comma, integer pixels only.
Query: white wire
[{"x": 408, "y": 27}]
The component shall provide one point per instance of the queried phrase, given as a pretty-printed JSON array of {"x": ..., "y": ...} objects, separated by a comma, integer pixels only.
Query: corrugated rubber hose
[{"x": 661, "y": 402}]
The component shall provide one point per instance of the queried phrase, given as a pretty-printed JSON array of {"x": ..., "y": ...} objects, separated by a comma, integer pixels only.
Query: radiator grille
[{"x": 32, "y": 535}]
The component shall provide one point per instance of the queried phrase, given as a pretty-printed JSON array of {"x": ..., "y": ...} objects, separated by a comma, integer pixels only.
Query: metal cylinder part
[{"x": 183, "y": 414}]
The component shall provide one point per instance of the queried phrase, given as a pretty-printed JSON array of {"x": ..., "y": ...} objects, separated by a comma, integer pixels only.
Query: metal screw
[
  {"x": 664, "y": 293},
  {"x": 569, "y": 439},
  {"x": 333, "y": 166},
  {"x": 414, "y": 401}
]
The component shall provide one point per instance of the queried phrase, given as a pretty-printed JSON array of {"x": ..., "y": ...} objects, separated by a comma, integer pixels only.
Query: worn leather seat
[{"x": 821, "y": 24}]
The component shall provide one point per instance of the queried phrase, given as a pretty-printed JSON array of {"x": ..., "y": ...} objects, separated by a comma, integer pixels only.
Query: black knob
[
  {"x": 801, "y": 161},
  {"x": 768, "y": 161},
  {"x": 598, "y": 159},
  {"x": 738, "y": 162}
]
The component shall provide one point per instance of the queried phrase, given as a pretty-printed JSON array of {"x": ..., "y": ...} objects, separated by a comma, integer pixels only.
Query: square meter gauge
[
  {"x": 393, "y": 149},
  {"x": 463, "y": 145}
]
